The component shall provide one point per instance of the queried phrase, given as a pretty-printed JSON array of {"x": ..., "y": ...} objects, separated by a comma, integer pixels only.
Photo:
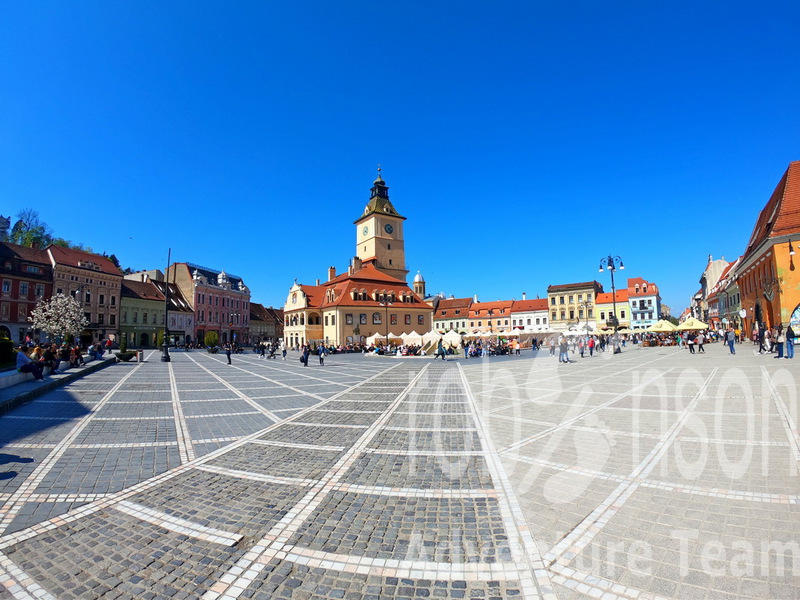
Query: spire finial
[{"x": 379, "y": 170}]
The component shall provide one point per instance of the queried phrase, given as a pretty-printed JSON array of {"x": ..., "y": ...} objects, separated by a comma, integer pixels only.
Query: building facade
[
  {"x": 605, "y": 304},
  {"x": 452, "y": 314},
  {"x": 569, "y": 304},
  {"x": 266, "y": 324},
  {"x": 26, "y": 278},
  {"x": 142, "y": 311},
  {"x": 490, "y": 317},
  {"x": 645, "y": 303},
  {"x": 530, "y": 316},
  {"x": 96, "y": 283},
  {"x": 221, "y": 302},
  {"x": 767, "y": 274}
]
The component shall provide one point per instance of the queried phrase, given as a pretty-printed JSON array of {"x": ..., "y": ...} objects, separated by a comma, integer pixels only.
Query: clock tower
[{"x": 379, "y": 233}]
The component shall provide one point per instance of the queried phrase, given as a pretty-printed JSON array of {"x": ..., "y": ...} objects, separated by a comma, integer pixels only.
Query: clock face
[
  {"x": 365, "y": 230},
  {"x": 388, "y": 229}
]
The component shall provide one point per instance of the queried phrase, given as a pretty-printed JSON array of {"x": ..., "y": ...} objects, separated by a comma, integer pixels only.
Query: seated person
[{"x": 26, "y": 365}]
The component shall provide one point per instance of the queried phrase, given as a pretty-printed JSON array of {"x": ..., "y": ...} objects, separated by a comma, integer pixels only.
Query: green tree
[
  {"x": 211, "y": 338},
  {"x": 30, "y": 230}
]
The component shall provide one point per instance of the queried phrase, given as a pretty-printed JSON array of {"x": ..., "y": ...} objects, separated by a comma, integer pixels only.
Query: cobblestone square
[{"x": 649, "y": 474}]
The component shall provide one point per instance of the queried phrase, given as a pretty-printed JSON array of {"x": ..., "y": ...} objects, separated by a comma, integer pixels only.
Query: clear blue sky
[{"x": 523, "y": 140}]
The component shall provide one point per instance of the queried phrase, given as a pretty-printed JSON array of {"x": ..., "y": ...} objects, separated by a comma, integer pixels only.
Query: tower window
[
  {"x": 390, "y": 261},
  {"x": 388, "y": 246}
]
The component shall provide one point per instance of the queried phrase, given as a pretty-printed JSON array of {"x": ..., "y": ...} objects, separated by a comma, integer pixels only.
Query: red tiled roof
[
  {"x": 68, "y": 256},
  {"x": 32, "y": 255},
  {"x": 529, "y": 305},
  {"x": 452, "y": 305},
  {"x": 652, "y": 288},
  {"x": 781, "y": 215},
  {"x": 367, "y": 273},
  {"x": 479, "y": 309},
  {"x": 605, "y": 298},
  {"x": 143, "y": 290}
]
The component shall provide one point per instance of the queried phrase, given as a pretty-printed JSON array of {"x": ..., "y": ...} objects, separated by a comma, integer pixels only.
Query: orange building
[{"x": 768, "y": 279}]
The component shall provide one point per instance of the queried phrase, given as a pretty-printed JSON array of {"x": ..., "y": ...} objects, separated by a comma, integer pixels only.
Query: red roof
[
  {"x": 781, "y": 215},
  {"x": 652, "y": 288},
  {"x": 447, "y": 307},
  {"x": 605, "y": 298},
  {"x": 367, "y": 273},
  {"x": 79, "y": 258},
  {"x": 481, "y": 309},
  {"x": 529, "y": 305},
  {"x": 574, "y": 286}
]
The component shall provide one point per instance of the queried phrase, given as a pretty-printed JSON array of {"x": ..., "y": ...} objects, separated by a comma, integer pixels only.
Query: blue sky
[{"x": 523, "y": 140}]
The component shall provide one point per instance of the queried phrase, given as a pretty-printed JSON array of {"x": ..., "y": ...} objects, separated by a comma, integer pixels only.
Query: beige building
[
  {"x": 372, "y": 297},
  {"x": 96, "y": 283},
  {"x": 570, "y": 303}
]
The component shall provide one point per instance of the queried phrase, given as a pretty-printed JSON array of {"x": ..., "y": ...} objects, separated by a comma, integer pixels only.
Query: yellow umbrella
[
  {"x": 692, "y": 324},
  {"x": 663, "y": 326}
]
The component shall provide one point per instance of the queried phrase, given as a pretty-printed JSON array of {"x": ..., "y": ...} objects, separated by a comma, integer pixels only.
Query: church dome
[{"x": 418, "y": 278}]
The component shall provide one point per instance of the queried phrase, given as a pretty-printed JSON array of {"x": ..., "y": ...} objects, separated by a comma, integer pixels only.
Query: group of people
[
  {"x": 776, "y": 340},
  {"x": 57, "y": 358},
  {"x": 268, "y": 349}
]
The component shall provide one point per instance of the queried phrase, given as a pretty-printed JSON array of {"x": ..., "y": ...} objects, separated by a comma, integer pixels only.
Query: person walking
[
  {"x": 305, "y": 355},
  {"x": 591, "y": 347},
  {"x": 701, "y": 339},
  {"x": 730, "y": 338},
  {"x": 439, "y": 351},
  {"x": 228, "y": 352},
  {"x": 789, "y": 342},
  {"x": 283, "y": 350},
  {"x": 321, "y": 352},
  {"x": 690, "y": 339}
]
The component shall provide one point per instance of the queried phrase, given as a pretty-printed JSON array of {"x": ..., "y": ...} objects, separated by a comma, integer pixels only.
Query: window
[
  {"x": 591, "y": 316},
  {"x": 649, "y": 303},
  {"x": 348, "y": 319},
  {"x": 31, "y": 269},
  {"x": 563, "y": 315},
  {"x": 537, "y": 321},
  {"x": 113, "y": 300},
  {"x": 101, "y": 319},
  {"x": 602, "y": 315},
  {"x": 580, "y": 297},
  {"x": 421, "y": 319},
  {"x": 408, "y": 320},
  {"x": 571, "y": 314},
  {"x": 144, "y": 318},
  {"x": 135, "y": 317},
  {"x": 376, "y": 318},
  {"x": 362, "y": 318},
  {"x": 553, "y": 315},
  {"x": 553, "y": 300},
  {"x": 570, "y": 299},
  {"x": 88, "y": 297},
  {"x": 561, "y": 299},
  {"x": 580, "y": 313},
  {"x": 39, "y": 290},
  {"x": 622, "y": 314},
  {"x": 102, "y": 299},
  {"x": 393, "y": 319},
  {"x": 6, "y": 286},
  {"x": 23, "y": 289},
  {"x": 326, "y": 320}
]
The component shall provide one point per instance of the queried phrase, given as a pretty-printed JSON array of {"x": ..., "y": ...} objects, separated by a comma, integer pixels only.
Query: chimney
[
  {"x": 317, "y": 282},
  {"x": 475, "y": 298},
  {"x": 331, "y": 273},
  {"x": 524, "y": 296}
]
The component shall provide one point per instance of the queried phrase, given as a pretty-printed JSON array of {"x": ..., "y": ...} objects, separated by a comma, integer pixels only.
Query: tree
[
  {"x": 211, "y": 338},
  {"x": 30, "y": 230},
  {"x": 59, "y": 316}
]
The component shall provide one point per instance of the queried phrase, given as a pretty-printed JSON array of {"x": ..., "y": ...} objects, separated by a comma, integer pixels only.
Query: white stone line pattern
[
  {"x": 250, "y": 401},
  {"x": 283, "y": 370},
  {"x": 789, "y": 424},
  {"x": 579, "y": 416},
  {"x": 662, "y": 485},
  {"x": 573, "y": 543},
  {"x": 429, "y": 429},
  {"x": 228, "y": 414},
  {"x": 185, "y": 448},
  {"x": 339, "y": 425},
  {"x": 249, "y": 475},
  {"x": 387, "y": 567},
  {"x": 571, "y": 388},
  {"x": 246, "y": 569},
  {"x": 282, "y": 444},
  {"x": 534, "y": 578},
  {"x": 93, "y": 507},
  {"x": 17, "y": 583},
  {"x": 597, "y": 587},
  {"x": 20, "y": 497},
  {"x": 177, "y": 525},
  {"x": 424, "y": 452},
  {"x": 349, "y": 412},
  {"x": 375, "y": 490}
]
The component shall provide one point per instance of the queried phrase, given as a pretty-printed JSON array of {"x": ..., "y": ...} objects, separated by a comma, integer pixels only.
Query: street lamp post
[
  {"x": 586, "y": 305},
  {"x": 612, "y": 263},
  {"x": 165, "y": 344}
]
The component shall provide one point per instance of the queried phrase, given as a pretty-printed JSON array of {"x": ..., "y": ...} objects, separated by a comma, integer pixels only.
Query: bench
[{"x": 9, "y": 378}]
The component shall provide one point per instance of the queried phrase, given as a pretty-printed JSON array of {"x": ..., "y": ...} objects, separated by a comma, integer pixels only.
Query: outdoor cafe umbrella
[
  {"x": 692, "y": 324},
  {"x": 662, "y": 326}
]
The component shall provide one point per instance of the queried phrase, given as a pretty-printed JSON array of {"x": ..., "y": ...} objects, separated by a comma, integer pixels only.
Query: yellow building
[
  {"x": 372, "y": 297},
  {"x": 567, "y": 302},
  {"x": 604, "y": 309}
]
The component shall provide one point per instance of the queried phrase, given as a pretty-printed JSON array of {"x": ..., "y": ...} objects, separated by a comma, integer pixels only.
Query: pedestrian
[
  {"x": 439, "y": 351},
  {"x": 730, "y": 338},
  {"x": 263, "y": 346},
  {"x": 228, "y": 352},
  {"x": 563, "y": 351},
  {"x": 305, "y": 355},
  {"x": 591, "y": 346},
  {"x": 690, "y": 342},
  {"x": 321, "y": 352},
  {"x": 283, "y": 350},
  {"x": 552, "y": 347},
  {"x": 701, "y": 339},
  {"x": 581, "y": 346},
  {"x": 780, "y": 340},
  {"x": 26, "y": 365},
  {"x": 789, "y": 342}
]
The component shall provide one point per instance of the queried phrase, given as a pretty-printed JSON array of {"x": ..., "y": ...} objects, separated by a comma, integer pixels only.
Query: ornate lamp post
[
  {"x": 612, "y": 263},
  {"x": 386, "y": 304},
  {"x": 586, "y": 305}
]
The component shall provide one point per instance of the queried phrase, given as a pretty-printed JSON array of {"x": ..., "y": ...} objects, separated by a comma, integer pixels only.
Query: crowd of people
[{"x": 38, "y": 358}]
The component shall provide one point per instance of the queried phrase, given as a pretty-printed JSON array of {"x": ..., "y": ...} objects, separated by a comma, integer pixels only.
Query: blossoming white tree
[{"x": 58, "y": 317}]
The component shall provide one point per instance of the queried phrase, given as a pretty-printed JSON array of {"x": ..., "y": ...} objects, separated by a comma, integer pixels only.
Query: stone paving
[{"x": 649, "y": 474}]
